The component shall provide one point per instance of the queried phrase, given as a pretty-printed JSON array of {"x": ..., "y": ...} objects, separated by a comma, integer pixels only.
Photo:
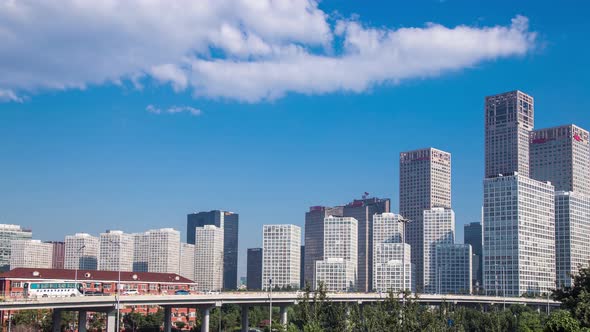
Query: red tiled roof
[{"x": 90, "y": 275}]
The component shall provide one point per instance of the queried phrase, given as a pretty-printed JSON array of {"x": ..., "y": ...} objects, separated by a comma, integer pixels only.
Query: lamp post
[
  {"x": 118, "y": 294},
  {"x": 270, "y": 311},
  {"x": 77, "y": 266}
]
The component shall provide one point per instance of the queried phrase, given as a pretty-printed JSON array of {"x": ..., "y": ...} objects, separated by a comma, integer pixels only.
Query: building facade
[
  {"x": 7, "y": 234},
  {"x": 254, "y": 266},
  {"x": 392, "y": 267},
  {"x": 141, "y": 251},
  {"x": 425, "y": 182},
  {"x": 472, "y": 235},
  {"x": 116, "y": 251},
  {"x": 58, "y": 254},
  {"x": 453, "y": 266},
  {"x": 209, "y": 258},
  {"x": 281, "y": 251},
  {"x": 338, "y": 270},
  {"x": 31, "y": 254},
  {"x": 439, "y": 229},
  {"x": 187, "y": 261},
  {"x": 81, "y": 252},
  {"x": 164, "y": 248},
  {"x": 519, "y": 236}
]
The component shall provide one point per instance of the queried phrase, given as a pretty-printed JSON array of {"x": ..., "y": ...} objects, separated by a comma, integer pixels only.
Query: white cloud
[
  {"x": 174, "y": 110},
  {"x": 246, "y": 50},
  {"x": 9, "y": 95}
]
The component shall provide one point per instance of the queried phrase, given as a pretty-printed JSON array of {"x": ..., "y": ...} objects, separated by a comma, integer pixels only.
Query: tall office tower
[
  {"x": 363, "y": 210},
  {"x": 454, "y": 272},
  {"x": 164, "y": 248},
  {"x": 209, "y": 258},
  {"x": 338, "y": 269},
  {"x": 281, "y": 249},
  {"x": 472, "y": 235},
  {"x": 425, "y": 182},
  {"x": 187, "y": 261},
  {"x": 254, "y": 272},
  {"x": 518, "y": 235},
  {"x": 572, "y": 231},
  {"x": 388, "y": 228},
  {"x": 141, "y": 251},
  {"x": 31, "y": 254},
  {"x": 439, "y": 228},
  {"x": 314, "y": 238},
  {"x": 81, "y": 252},
  {"x": 115, "y": 251},
  {"x": 301, "y": 268},
  {"x": 229, "y": 221},
  {"x": 7, "y": 234},
  {"x": 392, "y": 267},
  {"x": 58, "y": 254},
  {"x": 509, "y": 119},
  {"x": 561, "y": 155}
]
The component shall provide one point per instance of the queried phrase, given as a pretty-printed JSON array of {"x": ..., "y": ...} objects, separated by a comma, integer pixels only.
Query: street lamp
[
  {"x": 118, "y": 294},
  {"x": 404, "y": 222},
  {"x": 270, "y": 298},
  {"x": 77, "y": 266}
]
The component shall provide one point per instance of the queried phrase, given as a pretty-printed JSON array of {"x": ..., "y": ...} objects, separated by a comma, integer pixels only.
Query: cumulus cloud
[
  {"x": 174, "y": 109},
  {"x": 245, "y": 50}
]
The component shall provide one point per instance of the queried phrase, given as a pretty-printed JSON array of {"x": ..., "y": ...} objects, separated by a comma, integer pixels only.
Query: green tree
[
  {"x": 576, "y": 298},
  {"x": 562, "y": 321}
]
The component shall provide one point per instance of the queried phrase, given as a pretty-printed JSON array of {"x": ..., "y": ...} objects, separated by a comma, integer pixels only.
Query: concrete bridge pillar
[
  {"x": 112, "y": 320},
  {"x": 205, "y": 313},
  {"x": 283, "y": 315},
  {"x": 56, "y": 320},
  {"x": 245, "y": 322},
  {"x": 167, "y": 319},
  {"x": 82, "y": 321}
]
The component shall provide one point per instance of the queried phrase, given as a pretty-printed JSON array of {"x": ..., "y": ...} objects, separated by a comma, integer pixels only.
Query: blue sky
[{"x": 80, "y": 152}]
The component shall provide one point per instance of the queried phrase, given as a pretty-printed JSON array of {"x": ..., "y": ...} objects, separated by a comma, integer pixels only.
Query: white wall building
[
  {"x": 8, "y": 233},
  {"x": 164, "y": 249},
  {"x": 187, "y": 261},
  {"x": 338, "y": 270},
  {"x": 208, "y": 258},
  {"x": 141, "y": 251},
  {"x": 281, "y": 256},
  {"x": 81, "y": 252},
  {"x": 116, "y": 251},
  {"x": 439, "y": 228},
  {"x": 392, "y": 267},
  {"x": 31, "y": 254},
  {"x": 454, "y": 269},
  {"x": 388, "y": 228}
]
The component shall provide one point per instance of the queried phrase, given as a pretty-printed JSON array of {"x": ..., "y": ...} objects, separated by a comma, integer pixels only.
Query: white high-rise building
[
  {"x": 187, "y": 260},
  {"x": 338, "y": 270},
  {"x": 388, "y": 228},
  {"x": 164, "y": 248},
  {"x": 281, "y": 256},
  {"x": 116, "y": 251},
  {"x": 572, "y": 232},
  {"x": 454, "y": 271},
  {"x": 81, "y": 252},
  {"x": 31, "y": 254},
  {"x": 439, "y": 228},
  {"x": 8, "y": 233},
  {"x": 208, "y": 255},
  {"x": 141, "y": 251},
  {"x": 519, "y": 236},
  {"x": 392, "y": 266}
]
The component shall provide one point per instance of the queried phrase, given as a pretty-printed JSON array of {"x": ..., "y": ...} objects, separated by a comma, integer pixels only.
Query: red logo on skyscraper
[{"x": 577, "y": 137}]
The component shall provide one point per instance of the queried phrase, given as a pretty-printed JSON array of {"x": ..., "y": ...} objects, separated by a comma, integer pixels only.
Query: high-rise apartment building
[
  {"x": 31, "y": 254},
  {"x": 572, "y": 232},
  {"x": 509, "y": 119},
  {"x": 58, "y": 254},
  {"x": 472, "y": 235},
  {"x": 141, "y": 251},
  {"x": 281, "y": 252},
  {"x": 7, "y": 234},
  {"x": 314, "y": 238},
  {"x": 229, "y": 222},
  {"x": 115, "y": 251},
  {"x": 187, "y": 261},
  {"x": 209, "y": 257},
  {"x": 392, "y": 267},
  {"x": 453, "y": 269},
  {"x": 81, "y": 252},
  {"x": 254, "y": 272},
  {"x": 561, "y": 155},
  {"x": 519, "y": 236},
  {"x": 425, "y": 182},
  {"x": 164, "y": 248},
  {"x": 439, "y": 229},
  {"x": 338, "y": 270}
]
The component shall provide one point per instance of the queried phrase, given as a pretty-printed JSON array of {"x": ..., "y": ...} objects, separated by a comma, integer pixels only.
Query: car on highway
[
  {"x": 182, "y": 292},
  {"x": 131, "y": 292}
]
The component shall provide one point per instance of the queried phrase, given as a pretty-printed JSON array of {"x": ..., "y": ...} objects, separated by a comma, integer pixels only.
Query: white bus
[{"x": 52, "y": 289}]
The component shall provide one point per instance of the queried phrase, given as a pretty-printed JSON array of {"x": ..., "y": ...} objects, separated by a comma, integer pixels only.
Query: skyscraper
[
  {"x": 363, "y": 210},
  {"x": 472, "y": 235},
  {"x": 209, "y": 258},
  {"x": 281, "y": 247},
  {"x": 439, "y": 229},
  {"x": 229, "y": 221},
  {"x": 254, "y": 272},
  {"x": 338, "y": 269},
  {"x": 141, "y": 251},
  {"x": 392, "y": 267},
  {"x": 453, "y": 266},
  {"x": 81, "y": 252},
  {"x": 509, "y": 118},
  {"x": 58, "y": 254},
  {"x": 425, "y": 182},
  {"x": 31, "y": 254},
  {"x": 561, "y": 155},
  {"x": 187, "y": 261},
  {"x": 164, "y": 248},
  {"x": 115, "y": 251},
  {"x": 7, "y": 234}
]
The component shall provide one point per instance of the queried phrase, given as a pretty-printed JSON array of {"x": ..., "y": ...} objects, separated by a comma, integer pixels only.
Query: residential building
[
  {"x": 30, "y": 254},
  {"x": 116, "y": 251},
  {"x": 519, "y": 236},
  {"x": 453, "y": 267},
  {"x": 81, "y": 252},
  {"x": 281, "y": 251},
  {"x": 425, "y": 183},
  {"x": 254, "y": 269},
  {"x": 164, "y": 248},
  {"x": 58, "y": 254},
  {"x": 7, "y": 234},
  {"x": 472, "y": 235},
  {"x": 439, "y": 228},
  {"x": 209, "y": 258},
  {"x": 187, "y": 260},
  {"x": 338, "y": 270},
  {"x": 509, "y": 119},
  {"x": 141, "y": 251}
]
